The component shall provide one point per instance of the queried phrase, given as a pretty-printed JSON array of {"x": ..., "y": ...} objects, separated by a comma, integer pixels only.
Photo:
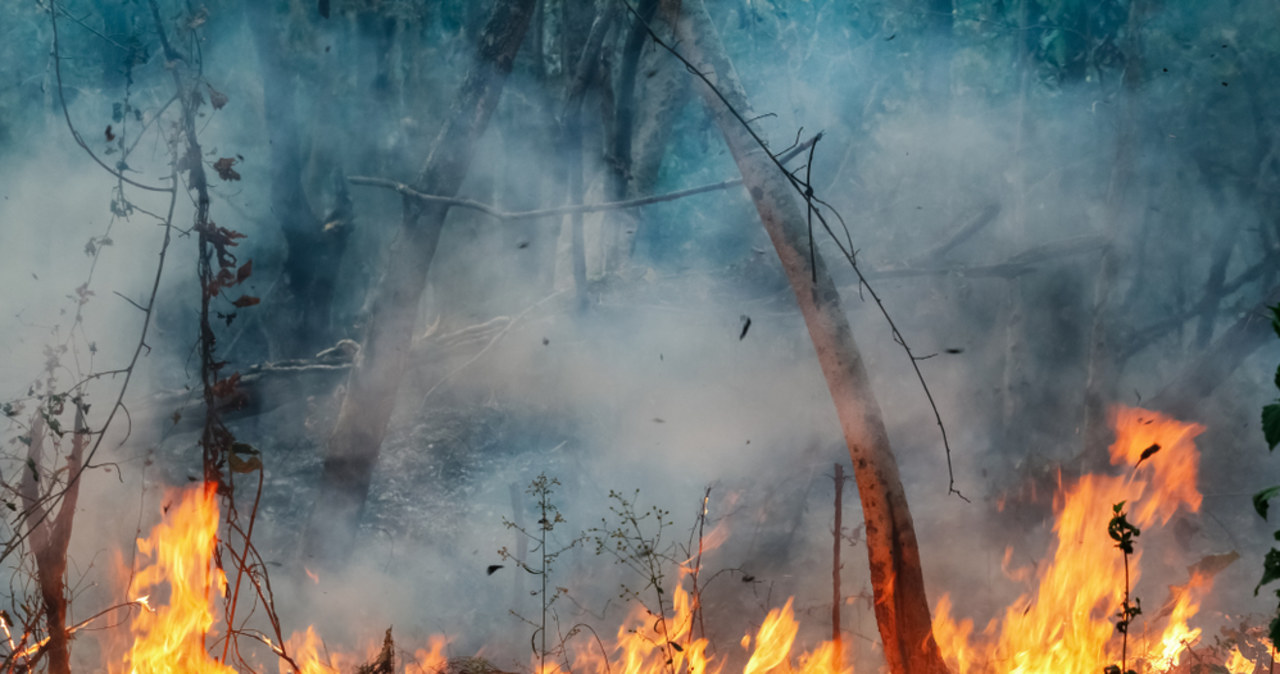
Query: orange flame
[
  {"x": 1066, "y": 626},
  {"x": 170, "y": 638},
  {"x": 649, "y": 644}
]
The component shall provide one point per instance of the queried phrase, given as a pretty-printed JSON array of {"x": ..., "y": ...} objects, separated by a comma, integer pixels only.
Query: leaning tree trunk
[
  {"x": 902, "y": 609},
  {"x": 375, "y": 380}
]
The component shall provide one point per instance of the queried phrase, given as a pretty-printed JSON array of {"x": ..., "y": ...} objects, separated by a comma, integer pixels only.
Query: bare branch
[{"x": 407, "y": 191}]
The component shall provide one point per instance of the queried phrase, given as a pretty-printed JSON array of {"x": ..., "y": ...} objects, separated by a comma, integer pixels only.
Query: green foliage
[
  {"x": 1270, "y": 569},
  {"x": 1271, "y": 423},
  {"x": 1121, "y": 530},
  {"x": 1123, "y": 533},
  {"x": 1262, "y": 499}
]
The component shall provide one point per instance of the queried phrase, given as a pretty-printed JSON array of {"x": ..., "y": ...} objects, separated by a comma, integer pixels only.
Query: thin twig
[
  {"x": 117, "y": 293},
  {"x": 66, "y": 114}
]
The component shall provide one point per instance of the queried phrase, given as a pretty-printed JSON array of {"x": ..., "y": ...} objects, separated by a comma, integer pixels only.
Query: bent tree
[{"x": 901, "y": 605}]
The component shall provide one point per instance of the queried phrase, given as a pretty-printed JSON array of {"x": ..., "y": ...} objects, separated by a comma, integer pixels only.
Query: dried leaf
[
  {"x": 239, "y": 465},
  {"x": 245, "y": 301},
  {"x": 1147, "y": 453},
  {"x": 223, "y": 167},
  {"x": 1211, "y": 565},
  {"x": 216, "y": 98},
  {"x": 224, "y": 388},
  {"x": 244, "y": 271}
]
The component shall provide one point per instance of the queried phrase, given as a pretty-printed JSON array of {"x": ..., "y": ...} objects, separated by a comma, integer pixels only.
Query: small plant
[
  {"x": 541, "y": 488},
  {"x": 1262, "y": 499},
  {"x": 635, "y": 541},
  {"x": 1123, "y": 533}
]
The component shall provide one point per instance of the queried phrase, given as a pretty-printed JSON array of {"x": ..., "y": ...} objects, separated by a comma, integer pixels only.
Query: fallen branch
[
  {"x": 407, "y": 191},
  {"x": 1017, "y": 265},
  {"x": 1207, "y": 305}
]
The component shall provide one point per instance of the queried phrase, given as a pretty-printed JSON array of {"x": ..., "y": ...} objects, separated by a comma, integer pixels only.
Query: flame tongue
[
  {"x": 171, "y": 637},
  {"x": 1065, "y": 627}
]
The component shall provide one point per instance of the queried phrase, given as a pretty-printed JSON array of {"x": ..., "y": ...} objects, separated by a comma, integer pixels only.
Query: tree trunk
[
  {"x": 583, "y": 76},
  {"x": 644, "y": 115},
  {"x": 314, "y": 244},
  {"x": 901, "y": 606},
  {"x": 50, "y": 536},
  {"x": 374, "y": 382}
]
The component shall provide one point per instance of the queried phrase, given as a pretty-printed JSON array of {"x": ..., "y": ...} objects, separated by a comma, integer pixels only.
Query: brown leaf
[
  {"x": 223, "y": 167},
  {"x": 216, "y": 98},
  {"x": 224, "y": 388},
  {"x": 246, "y": 301},
  {"x": 239, "y": 465},
  {"x": 244, "y": 271}
]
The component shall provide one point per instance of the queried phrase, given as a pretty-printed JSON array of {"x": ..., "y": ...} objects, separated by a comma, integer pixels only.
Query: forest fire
[
  {"x": 169, "y": 637},
  {"x": 1066, "y": 626}
]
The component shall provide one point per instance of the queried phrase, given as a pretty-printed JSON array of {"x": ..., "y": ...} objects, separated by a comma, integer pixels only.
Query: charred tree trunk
[
  {"x": 375, "y": 380},
  {"x": 644, "y": 112},
  {"x": 50, "y": 536},
  {"x": 901, "y": 606},
  {"x": 314, "y": 242}
]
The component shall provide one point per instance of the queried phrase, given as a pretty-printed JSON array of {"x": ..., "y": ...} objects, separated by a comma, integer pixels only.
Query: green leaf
[
  {"x": 1275, "y": 630},
  {"x": 1260, "y": 499},
  {"x": 1270, "y": 569},
  {"x": 1278, "y": 376},
  {"x": 1271, "y": 424},
  {"x": 1275, "y": 319}
]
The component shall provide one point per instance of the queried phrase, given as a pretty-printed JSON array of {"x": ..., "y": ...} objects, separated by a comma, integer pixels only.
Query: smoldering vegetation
[{"x": 1057, "y": 207}]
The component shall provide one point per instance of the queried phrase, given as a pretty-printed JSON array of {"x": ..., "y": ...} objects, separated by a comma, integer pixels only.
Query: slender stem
[
  {"x": 836, "y": 598},
  {"x": 543, "y": 524},
  {"x": 240, "y": 569},
  {"x": 1124, "y": 636}
]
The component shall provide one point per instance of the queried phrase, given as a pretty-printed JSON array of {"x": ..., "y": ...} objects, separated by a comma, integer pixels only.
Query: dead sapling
[
  {"x": 634, "y": 540},
  {"x": 541, "y": 488}
]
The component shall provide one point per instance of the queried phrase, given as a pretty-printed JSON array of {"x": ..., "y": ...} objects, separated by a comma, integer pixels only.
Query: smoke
[{"x": 660, "y": 384}]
